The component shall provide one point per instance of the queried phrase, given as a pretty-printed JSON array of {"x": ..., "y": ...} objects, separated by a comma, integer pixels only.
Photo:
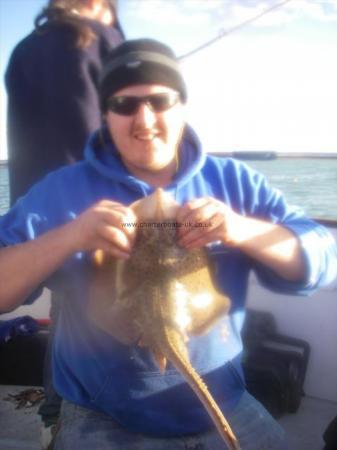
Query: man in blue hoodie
[{"x": 114, "y": 395}]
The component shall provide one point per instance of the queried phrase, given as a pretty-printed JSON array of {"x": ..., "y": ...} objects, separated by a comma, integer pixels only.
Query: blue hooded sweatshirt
[{"x": 96, "y": 371}]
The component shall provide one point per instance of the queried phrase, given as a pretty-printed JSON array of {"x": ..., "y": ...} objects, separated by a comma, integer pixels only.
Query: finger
[
  {"x": 203, "y": 221},
  {"x": 129, "y": 224},
  {"x": 98, "y": 257},
  {"x": 111, "y": 204},
  {"x": 207, "y": 231},
  {"x": 194, "y": 233},
  {"x": 119, "y": 217},
  {"x": 201, "y": 216},
  {"x": 105, "y": 248},
  {"x": 185, "y": 211},
  {"x": 114, "y": 236},
  {"x": 203, "y": 239}
]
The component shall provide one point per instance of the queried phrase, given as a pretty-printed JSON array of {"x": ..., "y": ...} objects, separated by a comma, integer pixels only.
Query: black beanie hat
[{"x": 140, "y": 61}]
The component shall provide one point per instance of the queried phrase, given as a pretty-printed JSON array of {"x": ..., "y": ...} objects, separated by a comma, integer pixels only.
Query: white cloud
[
  {"x": 171, "y": 12},
  {"x": 227, "y": 11},
  {"x": 320, "y": 11}
]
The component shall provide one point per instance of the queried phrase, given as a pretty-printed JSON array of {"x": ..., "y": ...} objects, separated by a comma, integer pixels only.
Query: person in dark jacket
[
  {"x": 51, "y": 81},
  {"x": 53, "y": 107}
]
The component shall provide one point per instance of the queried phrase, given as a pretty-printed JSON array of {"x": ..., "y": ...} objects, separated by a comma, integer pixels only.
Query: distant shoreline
[
  {"x": 258, "y": 155},
  {"x": 308, "y": 155},
  {"x": 271, "y": 156}
]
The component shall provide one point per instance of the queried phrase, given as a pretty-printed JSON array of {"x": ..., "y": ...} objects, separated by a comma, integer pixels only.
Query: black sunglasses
[{"x": 127, "y": 105}]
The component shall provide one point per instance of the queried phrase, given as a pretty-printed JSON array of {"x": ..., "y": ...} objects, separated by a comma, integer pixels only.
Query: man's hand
[
  {"x": 101, "y": 227},
  {"x": 205, "y": 220}
]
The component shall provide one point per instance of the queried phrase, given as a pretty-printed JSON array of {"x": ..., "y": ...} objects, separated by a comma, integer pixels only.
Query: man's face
[{"x": 147, "y": 140}]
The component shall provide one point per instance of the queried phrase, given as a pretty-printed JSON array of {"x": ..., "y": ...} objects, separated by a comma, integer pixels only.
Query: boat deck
[{"x": 20, "y": 427}]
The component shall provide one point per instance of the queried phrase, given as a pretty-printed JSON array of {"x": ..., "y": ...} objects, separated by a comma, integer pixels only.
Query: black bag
[
  {"x": 274, "y": 364},
  {"x": 330, "y": 435},
  {"x": 22, "y": 357}
]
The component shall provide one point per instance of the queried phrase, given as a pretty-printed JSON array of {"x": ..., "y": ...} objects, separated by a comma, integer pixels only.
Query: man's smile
[{"x": 146, "y": 135}]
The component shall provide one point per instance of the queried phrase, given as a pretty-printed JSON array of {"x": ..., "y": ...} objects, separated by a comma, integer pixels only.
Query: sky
[{"x": 268, "y": 85}]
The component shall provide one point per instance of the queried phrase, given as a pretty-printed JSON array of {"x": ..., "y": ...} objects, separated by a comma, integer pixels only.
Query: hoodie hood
[{"x": 103, "y": 156}]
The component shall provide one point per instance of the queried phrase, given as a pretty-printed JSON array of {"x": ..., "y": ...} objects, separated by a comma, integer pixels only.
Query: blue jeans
[
  {"x": 50, "y": 408},
  {"x": 89, "y": 430}
]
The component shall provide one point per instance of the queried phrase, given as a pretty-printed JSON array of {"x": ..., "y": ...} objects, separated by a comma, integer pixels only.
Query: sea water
[{"x": 310, "y": 183}]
